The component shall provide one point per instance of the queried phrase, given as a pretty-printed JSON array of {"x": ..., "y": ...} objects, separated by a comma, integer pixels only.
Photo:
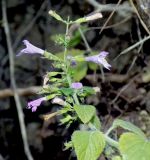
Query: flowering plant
[{"x": 91, "y": 140}]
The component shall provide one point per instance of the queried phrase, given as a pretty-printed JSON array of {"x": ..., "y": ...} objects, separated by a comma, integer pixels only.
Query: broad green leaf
[
  {"x": 128, "y": 126},
  {"x": 72, "y": 52},
  {"x": 96, "y": 122},
  {"x": 134, "y": 147},
  {"x": 85, "y": 112},
  {"x": 93, "y": 66},
  {"x": 88, "y": 144},
  {"x": 80, "y": 71}
]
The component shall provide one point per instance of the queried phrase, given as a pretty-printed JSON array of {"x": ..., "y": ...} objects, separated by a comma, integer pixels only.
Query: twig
[
  {"x": 110, "y": 26},
  {"x": 109, "y": 7},
  {"x": 29, "y": 26},
  {"x": 4, "y": 93},
  {"x": 84, "y": 39},
  {"x": 110, "y": 16},
  {"x": 110, "y": 77},
  {"x": 132, "y": 47},
  {"x": 140, "y": 47},
  {"x": 124, "y": 88},
  {"x": 21, "y": 91},
  {"x": 13, "y": 83},
  {"x": 142, "y": 22}
]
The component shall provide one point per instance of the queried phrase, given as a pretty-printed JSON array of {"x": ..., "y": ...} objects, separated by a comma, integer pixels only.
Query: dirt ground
[{"x": 124, "y": 90}]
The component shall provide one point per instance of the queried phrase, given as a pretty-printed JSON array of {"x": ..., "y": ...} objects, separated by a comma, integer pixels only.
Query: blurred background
[{"x": 124, "y": 91}]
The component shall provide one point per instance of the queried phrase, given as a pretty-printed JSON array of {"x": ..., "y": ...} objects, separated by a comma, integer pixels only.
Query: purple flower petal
[
  {"x": 76, "y": 85},
  {"x": 30, "y": 49},
  {"x": 99, "y": 59},
  {"x": 35, "y": 103},
  {"x": 103, "y": 54}
]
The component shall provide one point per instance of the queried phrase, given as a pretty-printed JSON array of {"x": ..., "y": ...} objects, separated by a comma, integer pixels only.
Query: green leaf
[
  {"x": 96, "y": 122},
  {"x": 52, "y": 74},
  {"x": 80, "y": 71},
  {"x": 51, "y": 96},
  {"x": 88, "y": 144},
  {"x": 134, "y": 147},
  {"x": 128, "y": 126},
  {"x": 85, "y": 112},
  {"x": 93, "y": 66},
  {"x": 67, "y": 91},
  {"x": 72, "y": 52},
  {"x": 88, "y": 90},
  {"x": 75, "y": 39}
]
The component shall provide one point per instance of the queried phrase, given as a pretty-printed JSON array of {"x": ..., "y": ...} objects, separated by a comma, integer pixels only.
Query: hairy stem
[{"x": 66, "y": 63}]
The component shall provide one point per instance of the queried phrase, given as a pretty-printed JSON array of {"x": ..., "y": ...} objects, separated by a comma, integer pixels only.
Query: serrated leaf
[
  {"x": 88, "y": 144},
  {"x": 128, "y": 126},
  {"x": 85, "y": 112},
  {"x": 134, "y": 147},
  {"x": 96, "y": 122}
]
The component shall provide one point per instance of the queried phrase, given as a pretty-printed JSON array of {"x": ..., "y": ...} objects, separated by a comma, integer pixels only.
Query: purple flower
[
  {"x": 35, "y": 103},
  {"x": 30, "y": 49},
  {"x": 99, "y": 59},
  {"x": 76, "y": 85}
]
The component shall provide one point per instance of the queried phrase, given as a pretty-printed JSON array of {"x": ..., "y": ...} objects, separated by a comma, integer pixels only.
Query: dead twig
[
  {"x": 21, "y": 91},
  {"x": 25, "y": 30},
  {"x": 109, "y": 77},
  {"x": 132, "y": 47},
  {"x": 13, "y": 82},
  {"x": 110, "y": 16},
  {"x": 142, "y": 22},
  {"x": 109, "y": 7}
]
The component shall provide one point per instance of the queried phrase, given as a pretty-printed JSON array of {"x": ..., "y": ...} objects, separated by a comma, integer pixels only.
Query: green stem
[
  {"x": 65, "y": 51},
  {"x": 109, "y": 130},
  {"x": 111, "y": 142},
  {"x": 66, "y": 63}
]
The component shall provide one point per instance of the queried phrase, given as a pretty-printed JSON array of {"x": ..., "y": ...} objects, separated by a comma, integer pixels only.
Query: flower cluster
[{"x": 31, "y": 49}]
